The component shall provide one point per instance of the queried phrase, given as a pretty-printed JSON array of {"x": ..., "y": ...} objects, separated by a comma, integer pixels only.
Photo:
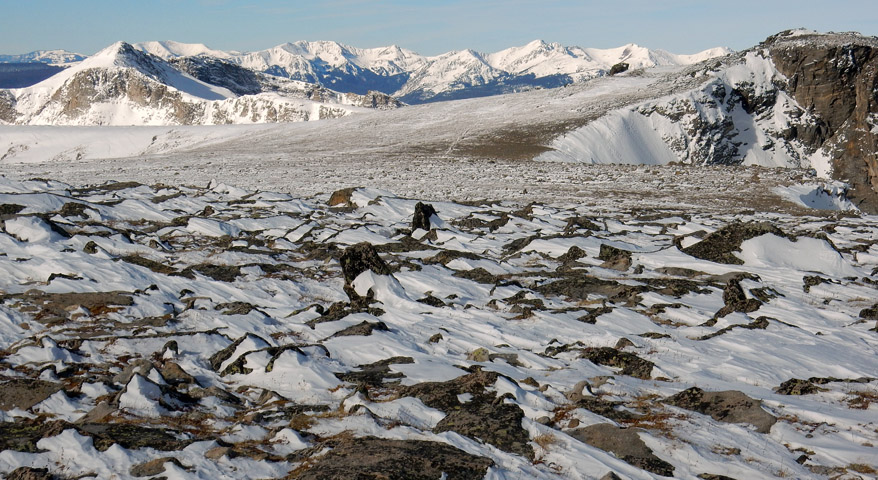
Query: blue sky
[{"x": 429, "y": 28}]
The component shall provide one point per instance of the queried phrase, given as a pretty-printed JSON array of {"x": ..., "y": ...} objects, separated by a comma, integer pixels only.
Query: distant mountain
[
  {"x": 123, "y": 85},
  {"x": 52, "y": 57},
  {"x": 418, "y": 79}
]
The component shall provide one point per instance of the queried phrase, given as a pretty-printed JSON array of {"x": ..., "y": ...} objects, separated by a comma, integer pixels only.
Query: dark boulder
[
  {"x": 421, "y": 219},
  {"x": 358, "y": 258},
  {"x": 797, "y": 386},
  {"x": 618, "y": 68},
  {"x": 629, "y": 363}
]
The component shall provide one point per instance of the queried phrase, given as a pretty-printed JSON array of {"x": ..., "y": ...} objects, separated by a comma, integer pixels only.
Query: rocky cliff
[{"x": 835, "y": 77}]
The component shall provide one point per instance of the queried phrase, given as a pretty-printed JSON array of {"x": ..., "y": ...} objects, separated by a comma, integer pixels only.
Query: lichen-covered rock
[
  {"x": 488, "y": 419},
  {"x": 728, "y": 406},
  {"x": 797, "y": 386},
  {"x": 375, "y": 458},
  {"x": 614, "y": 258},
  {"x": 358, "y": 258},
  {"x": 629, "y": 363},
  {"x": 720, "y": 245}
]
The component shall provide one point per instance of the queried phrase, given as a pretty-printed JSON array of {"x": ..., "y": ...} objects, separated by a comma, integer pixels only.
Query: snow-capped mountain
[
  {"x": 53, "y": 57},
  {"x": 123, "y": 85},
  {"x": 418, "y": 79}
]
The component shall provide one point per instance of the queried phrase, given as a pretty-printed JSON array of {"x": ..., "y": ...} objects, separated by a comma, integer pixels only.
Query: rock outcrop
[{"x": 835, "y": 77}]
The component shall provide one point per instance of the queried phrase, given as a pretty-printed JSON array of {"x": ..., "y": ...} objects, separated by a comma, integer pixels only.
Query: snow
[
  {"x": 804, "y": 254},
  {"x": 819, "y": 196},
  {"x": 287, "y": 363}
]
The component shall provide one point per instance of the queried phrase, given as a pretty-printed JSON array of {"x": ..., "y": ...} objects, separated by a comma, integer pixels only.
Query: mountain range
[
  {"x": 799, "y": 99},
  {"x": 175, "y": 83}
]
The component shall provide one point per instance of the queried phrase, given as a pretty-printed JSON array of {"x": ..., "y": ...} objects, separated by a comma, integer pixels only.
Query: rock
[
  {"x": 736, "y": 300},
  {"x": 10, "y": 209},
  {"x": 29, "y": 473},
  {"x": 375, "y": 458},
  {"x": 841, "y": 95},
  {"x": 153, "y": 467},
  {"x": 140, "y": 366},
  {"x": 629, "y": 363},
  {"x": 220, "y": 273},
  {"x": 421, "y": 218},
  {"x": 713, "y": 476},
  {"x": 870, "y": 313},
  {"x": 342, "y": 198},
  {"x": 578, "y": 223},
  {"x": 432, "y": 301},
  {"x": 358, "y": 258},
  {"x": 490, "y": 420},
  {"x": 218, "y": 452},
  {"x": 581, "y": 286},
  {"x": 719, "y": 245},
  {"x": 626, "y": 444},
  {"x": 73, "y": 209},
  {"x": 809, "y": 281},
  {"x": 479, "y": 355},
  {"x": 614, "y": 258},
  {"x": 443, "y": 395},
  {"x": 727, "y": 406},
  {"x": 22, "y": 436},
  {"x": 479, "y": 275},
  {"x": 24, "y": 393},
  {"x": 217, "y": 359},
  {"x": 375, "y": 374},
  {"x": 98, "y": 414},
  {"x": 91, "y": 247},
  {"x": 363, "y": 329},
  {"x": 573, "y": 254},
  {"x": 760, "y": 323},
  {"x": 131, "y": 437},
  {"x": 618, "y": 68},
  {"x": 592, "y": 314},
  {"x": 796, "y": 386},
  {"x": 174, "y": 374}
]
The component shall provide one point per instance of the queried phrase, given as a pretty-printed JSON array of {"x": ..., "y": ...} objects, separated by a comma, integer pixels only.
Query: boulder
[
  {"x": 626, "y": 444},
  {"x": 371, "y": 457},
  {"x": 614, "y": 258},
  {"x": 727, "y": 406},
  {"x": 24, "y": 393},
  {"x": 629, "y": 363},
  {"x": 421, "y": 218},
  {"x": 719, "y": 245}
]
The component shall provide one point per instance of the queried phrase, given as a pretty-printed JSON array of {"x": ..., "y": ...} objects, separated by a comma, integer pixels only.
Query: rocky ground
[{"x": 215, "y": 332}]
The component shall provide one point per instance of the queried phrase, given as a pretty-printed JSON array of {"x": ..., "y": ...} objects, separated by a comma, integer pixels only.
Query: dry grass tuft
[
  {"x": 545, "y": 440},
  {"x": 861, "y": 400}
]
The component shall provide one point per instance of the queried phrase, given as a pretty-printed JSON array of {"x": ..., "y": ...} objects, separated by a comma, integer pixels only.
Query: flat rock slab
[
  {"x": 370, "y": 457},
  {"x": 626, "y": 444},
  {"x": 728, "y": 406},
  {"x": 25, "y": 393}
]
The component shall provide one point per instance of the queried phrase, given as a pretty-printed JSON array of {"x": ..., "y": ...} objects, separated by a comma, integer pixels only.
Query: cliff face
[{"x": 835, "y": 77}]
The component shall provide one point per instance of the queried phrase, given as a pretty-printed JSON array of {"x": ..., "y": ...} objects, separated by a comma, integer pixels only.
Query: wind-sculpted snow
[{"x": 217, "y": 332}]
